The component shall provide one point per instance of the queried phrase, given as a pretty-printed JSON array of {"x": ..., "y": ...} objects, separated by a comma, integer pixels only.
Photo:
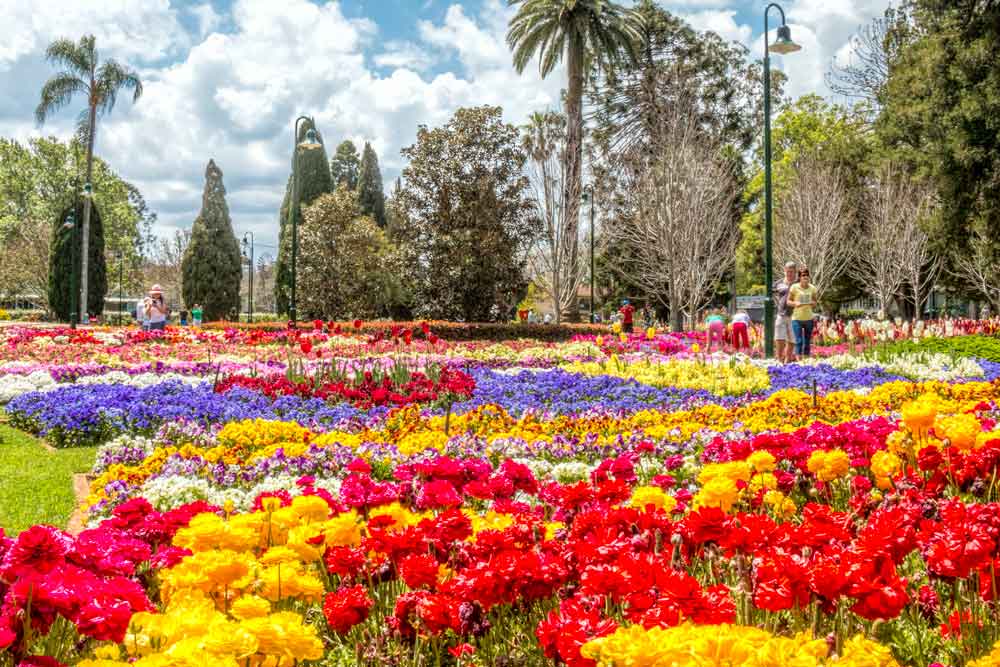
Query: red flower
[
  {"x": 40, "y": 661},
  {"x": 306, "y": 346},
  {"x": 419, "y": 571},
  {"x": 318, "y": 325},
  {"x": 357, "y": 324},
  {"x": 462, "y": 649},
  {"x": 426, "y": 328},
  {"x": 346, "y": 607},
  {"x": 36, "y": 551}
]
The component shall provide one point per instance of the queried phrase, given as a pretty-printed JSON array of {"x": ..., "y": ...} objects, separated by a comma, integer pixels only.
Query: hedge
[{"x": 453, "y": 331}]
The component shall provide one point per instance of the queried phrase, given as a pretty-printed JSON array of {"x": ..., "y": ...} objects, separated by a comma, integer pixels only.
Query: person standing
[
  {"x": 741, "y": 331},
  {"x": 801, "y": 297},
  {"x": 196, "y": 315},
  {"x": 156, "y": 309},
  {"x": 628, "y": 313},
  {"x": 783, "y": 313}
]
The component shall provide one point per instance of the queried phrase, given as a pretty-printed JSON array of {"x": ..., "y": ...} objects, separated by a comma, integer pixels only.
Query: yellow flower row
[
  {"x": 727, "y": 645},
  {"x": 733, "y": 378}
]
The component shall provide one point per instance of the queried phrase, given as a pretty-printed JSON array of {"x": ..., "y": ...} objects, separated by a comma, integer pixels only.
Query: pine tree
[
  {"x": 212, "y": 270},
  {"x": 370, "y": 193},
  {"x": 314, "y": 180},
  {"x": 344, "y": 165},
  {"x": 64, "y": 254}
]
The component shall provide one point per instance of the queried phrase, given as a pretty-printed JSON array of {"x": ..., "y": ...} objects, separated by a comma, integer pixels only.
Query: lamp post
[
  {"x": 250, "y": 279},
  {"x": 782, "y": 44},
  {"x": 88, "y": 194},
  {"x": 588, "y": 195},
  {"x": 121, "y": 280},
  {"x": 71, "y": 226},
  {"x": 311, "y": 141}
]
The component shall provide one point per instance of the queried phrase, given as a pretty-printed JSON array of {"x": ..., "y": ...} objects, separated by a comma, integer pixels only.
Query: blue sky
[{"x": 225, "y": 79}]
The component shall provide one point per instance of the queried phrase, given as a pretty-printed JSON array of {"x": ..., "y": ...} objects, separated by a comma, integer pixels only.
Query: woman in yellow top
[{"x": 802, "y": 296}]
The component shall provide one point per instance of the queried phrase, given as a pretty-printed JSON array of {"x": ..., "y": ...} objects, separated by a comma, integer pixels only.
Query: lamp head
[
  {"x": 88, "y": 190},
  {"x": 311, "y": 141},
  {"x": 783, "y": 43}
]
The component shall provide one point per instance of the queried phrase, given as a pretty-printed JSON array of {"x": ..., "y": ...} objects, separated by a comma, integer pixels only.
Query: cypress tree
[
  {"x": 344, "y": 165},
  {"x": 64, "y": 264},
  {"x": 212, "y": 270},
  {"x": 371, "y": 197},
  {"x": 314, "y": 180}
]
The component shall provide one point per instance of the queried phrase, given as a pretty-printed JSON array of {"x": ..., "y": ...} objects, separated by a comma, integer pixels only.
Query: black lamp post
[
  {"x": 71, "y": 226},
  {"x": 250, "y": 279},
  {"x": 782, "y": 44},
  {"x": 588, "y": 195}
]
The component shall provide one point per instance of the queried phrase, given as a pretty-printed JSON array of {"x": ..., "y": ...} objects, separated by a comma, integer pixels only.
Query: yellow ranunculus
[{"x": 644, "y": 496}]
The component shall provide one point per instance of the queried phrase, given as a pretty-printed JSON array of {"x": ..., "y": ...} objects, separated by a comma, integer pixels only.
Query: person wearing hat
[
  {"x": 628, "y": 311},
  {"x": 783, "y": 341},
  {"x": 156, "y": 309}
]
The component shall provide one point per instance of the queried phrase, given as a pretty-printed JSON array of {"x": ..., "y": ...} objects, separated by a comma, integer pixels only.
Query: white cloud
[
  {"x": 406, "y": 55},
  {"x": 233, "y": 96},
  {"x": 135, "y": 29},
  {"x": 721, "y": 22}
]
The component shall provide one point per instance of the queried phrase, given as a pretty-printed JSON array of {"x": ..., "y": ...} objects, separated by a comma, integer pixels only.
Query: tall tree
[
  {"x": 212, "y": 269},
  {"x": 83, "y": 73},
  {"x": 65, "y": 263},
  {"x": 314, "y": 179},
  {"x": 467, "y": 225},
  {"x": 544, "y": 140},
  {"x": 344, "y": 165},
  {"x": 371, "y": 196},
  {"x": 582, "y": 32},
  {"x": 36, "y": 180},
  {"x": 939, "y": 117},
  {"x": 348, "y": 265},
  {"x": 677, "y": 233}
]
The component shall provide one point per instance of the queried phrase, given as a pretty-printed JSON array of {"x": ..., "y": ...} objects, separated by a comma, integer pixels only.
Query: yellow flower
[
  {"x": 250, "y": 606},
  {"x": 311, "y": 508},
  {"x": 600, "y": 341},
  {"x": 285, "y": 634},
  {"x": 616, "y": 327},
  {"x": 107, "y": 652},
  {"x": 644, "y": 496},
  {"x": 828, "y": 465},
  {"x": 719, "y": 492},
  {"x": 883, "y": 466},
  {"x": 961, "y": 430},
  {"x": 651, "y": 333},
  {"x": 279, "y": 555},
  {"x": 919, "y": 415},
  {"x": 271, "y": 504},
  {"x": 761, "y": 461},
  {"x": 342, "y": 530},
  {"x": 695, "y": 348}
]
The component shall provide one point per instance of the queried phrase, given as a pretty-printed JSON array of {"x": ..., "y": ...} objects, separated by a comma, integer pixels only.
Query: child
[
  {"x": 196, "y": 315},
  {"x": 741, "y": 331},
  {"x": 184, "y": 318}
]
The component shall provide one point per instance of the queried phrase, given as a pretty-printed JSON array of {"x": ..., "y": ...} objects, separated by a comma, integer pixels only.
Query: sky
[{"x": 225, "y": 79}]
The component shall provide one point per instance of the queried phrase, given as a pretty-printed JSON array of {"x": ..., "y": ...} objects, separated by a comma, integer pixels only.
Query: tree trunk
[
  {"x": 574, "y": 158},
  {"x": 85, "y": 230}
]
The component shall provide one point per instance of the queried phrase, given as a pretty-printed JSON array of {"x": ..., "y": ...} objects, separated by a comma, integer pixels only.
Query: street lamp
[
  {"x": 88, "y": 194},
  {"x": 121, "y": 293},
  {"x": 310, "y": 142},
  {"x": 588, "y": 195},
  {"x": 70, "y": 225},
  {"x": 783, "y": 44},
  {"x": 250, "y": 280}
]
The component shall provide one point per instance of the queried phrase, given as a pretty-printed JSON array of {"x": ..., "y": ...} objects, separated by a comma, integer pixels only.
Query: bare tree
[
  {"x": 813, "y": 222},
  {"x": 164, "y": 267},
  {"x": 557, "y": 271},
  {"x": 877, "y": 259},
  {"x": 873, "y": 50},
  {"x": 24, "y": 260},
  {"x": 918, "y": 262},
  {"x": 978, "y": 267},
  {"x": 682, "y": 232}
]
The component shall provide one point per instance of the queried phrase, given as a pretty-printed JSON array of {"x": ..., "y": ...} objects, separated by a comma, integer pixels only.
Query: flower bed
[{"x": 640, "y": 504}]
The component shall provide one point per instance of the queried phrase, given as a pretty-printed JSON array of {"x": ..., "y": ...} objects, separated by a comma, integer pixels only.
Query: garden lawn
[{"x": 36, "y": 485}]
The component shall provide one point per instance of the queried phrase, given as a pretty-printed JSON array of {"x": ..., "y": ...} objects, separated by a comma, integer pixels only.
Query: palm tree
[
  {"x": 83, "y": 73},
  {"x": 583, "y": 32}
]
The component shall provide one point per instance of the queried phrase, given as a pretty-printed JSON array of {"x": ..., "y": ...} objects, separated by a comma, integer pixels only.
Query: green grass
[{"x": 36, "y": 485}]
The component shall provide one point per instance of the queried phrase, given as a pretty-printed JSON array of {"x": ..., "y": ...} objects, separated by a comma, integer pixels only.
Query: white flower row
[{"x": 12, "y": 386}]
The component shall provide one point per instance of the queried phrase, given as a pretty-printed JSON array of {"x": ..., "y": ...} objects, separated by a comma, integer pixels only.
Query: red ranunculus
[{"x": 346, "y": 607}]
